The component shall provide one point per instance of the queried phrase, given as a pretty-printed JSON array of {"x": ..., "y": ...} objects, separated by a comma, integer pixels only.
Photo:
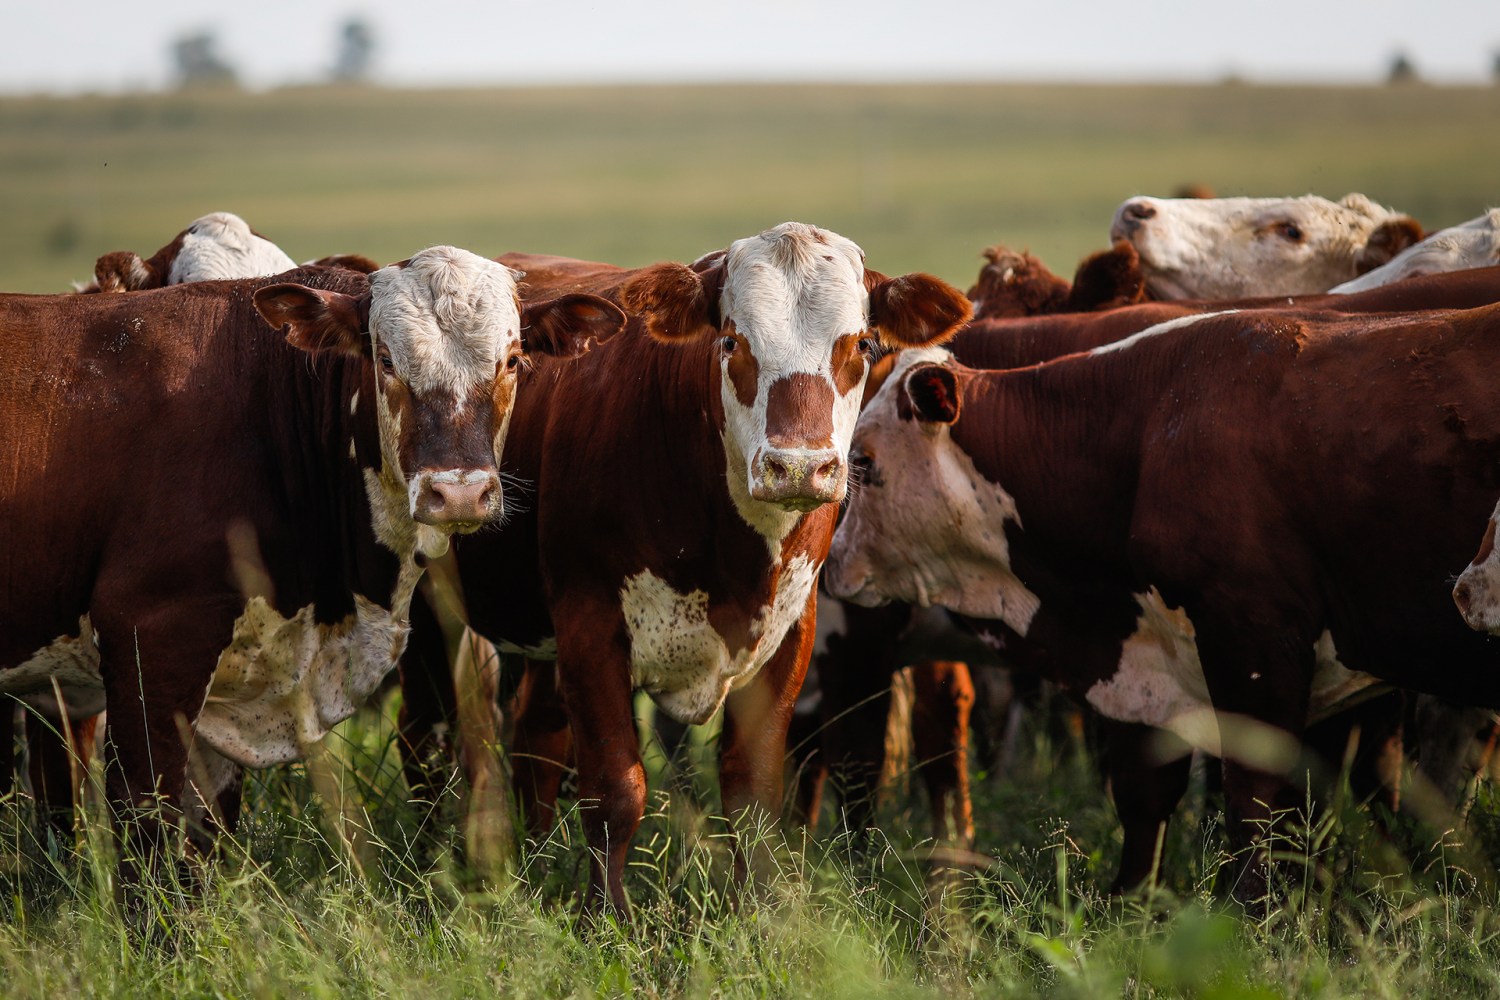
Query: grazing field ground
[
  {"x": 922, "y": 177},
  {"x": 287, "y": 912}
]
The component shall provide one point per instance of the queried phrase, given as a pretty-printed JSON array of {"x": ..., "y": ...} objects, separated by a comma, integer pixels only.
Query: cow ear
[
  {"x": 123, "y": 271},
  {"x": 348, "y": 261},
  {"x": 674, "y": 301},
  {"x": 915, "y": 309},
  {"x": 1389, "y": 238},
  {"x": 567, "y": 326},
  {"x": 933, "y": 393},
  {"x": 1108, "y": 279},
  {"x": 316, "y": 320}
]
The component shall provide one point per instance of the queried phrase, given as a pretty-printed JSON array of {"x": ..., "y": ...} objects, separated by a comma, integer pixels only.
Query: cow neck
[
  {"x": 335, "y": 483},
  {"x": 1069, "y": 466}
]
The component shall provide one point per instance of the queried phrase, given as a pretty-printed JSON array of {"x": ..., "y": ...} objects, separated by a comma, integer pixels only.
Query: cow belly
[
  {"x": 283, "y": 683},
  {"x": 681, "y": 660},
  {"x": 1160, "y": 679},
  {"x": 71, "y": 661}
]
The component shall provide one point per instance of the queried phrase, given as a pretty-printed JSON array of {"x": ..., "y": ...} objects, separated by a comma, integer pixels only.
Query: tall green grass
[{"x": 284, "y": 912}]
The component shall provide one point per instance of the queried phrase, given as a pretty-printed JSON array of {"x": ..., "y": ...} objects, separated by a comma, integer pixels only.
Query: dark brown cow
[
  {"x": 686, "y": 480},
  {"x": 1013, "y": 284},
  {"x": 1281, "y": 494},
  {"x": 240, "y": 561}
]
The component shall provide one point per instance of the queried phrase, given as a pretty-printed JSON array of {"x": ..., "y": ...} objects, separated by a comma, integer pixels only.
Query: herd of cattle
[{"x": 1218, "y": 486}]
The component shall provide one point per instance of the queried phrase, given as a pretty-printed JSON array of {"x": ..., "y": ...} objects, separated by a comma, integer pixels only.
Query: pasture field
[{"x": 922, "y": 177}]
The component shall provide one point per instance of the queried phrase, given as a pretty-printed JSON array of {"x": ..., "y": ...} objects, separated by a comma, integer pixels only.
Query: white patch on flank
[
  {"x": 1475, "y": 243},
  {"x": 791, "y": 292},
  {"x": 1225, "y": 248},
  {"x": 1160, "y": 679},
  {"x": 928, "y": 529},
  {"x": 680, "y": 659},
  {"x": 1152, "y": 331},
  {"x": 73, "y": 661},
  {"x": 221, "y": 245}
]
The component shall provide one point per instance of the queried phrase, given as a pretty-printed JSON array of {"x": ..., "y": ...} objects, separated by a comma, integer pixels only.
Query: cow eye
[
  {"x": 728, "y": 344},
  {"x": 386, "y": 364},
  {"x": 513, "y": 362},
  {"x": 860, "y": 465},
  {"x": 867, "y": 346},
  {"x": 1292, "y": 231}
]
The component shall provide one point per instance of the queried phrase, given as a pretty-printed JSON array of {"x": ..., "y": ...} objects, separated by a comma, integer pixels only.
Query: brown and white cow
[
  {"x": 687, "y": 476},
  {"x": 217, "y": 246},
  {"x": 1225, "y": 248},
  {"x": 240, "y": 564},
  {"x": 1015, "y": 284},
  {"x": 1181, "y": 520},
  {"x": 1475, "y": 243}
]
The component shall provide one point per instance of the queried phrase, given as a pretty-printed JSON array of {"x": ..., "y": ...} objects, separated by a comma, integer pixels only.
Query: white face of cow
[
  {"x": 445, "y": 333},
  {"x": 1477, "y": 592},
  {"x": 923, "y": 525},
  {"x": 1224, "y": 248},
  {"x": 1476, "y": 243},
  {"x": 797, "y": 317},
  {"x": 221, "y": 245}
]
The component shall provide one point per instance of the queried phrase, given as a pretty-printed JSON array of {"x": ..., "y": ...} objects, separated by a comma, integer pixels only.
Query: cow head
[
  {"x": 446, "y": 335},
  {"x": 925, "y": 526},
  {"x": 1475, "y": 243},
  {"x": 1477, "y": 592},
  {"x": 220, "y": 245},
  {"x": 796, "y": 317},
  {"x": 1224, "y": 248}
]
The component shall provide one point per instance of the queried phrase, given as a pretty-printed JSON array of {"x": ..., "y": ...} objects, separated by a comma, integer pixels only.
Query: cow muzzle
[
  {"x": 455, "y": 499},
  {"x": 1130, "y": 217},
  {"x": 800, "y": 479}
]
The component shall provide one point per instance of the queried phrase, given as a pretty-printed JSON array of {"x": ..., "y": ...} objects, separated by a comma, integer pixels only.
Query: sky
[{"x": 90, "y": 45}]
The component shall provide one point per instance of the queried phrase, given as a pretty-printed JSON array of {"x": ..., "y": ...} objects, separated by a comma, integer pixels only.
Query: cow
[
  {"x": 1012, "y": 285},
  {"x": 1475, "y": 243},
  {"x": 1226, "y": 248},
  {"x": 217, "y": 246},
  {"x": 269, "y": 461},
  {"x": 686, "y": 479},
  {"x": 1180, "y": 522}
]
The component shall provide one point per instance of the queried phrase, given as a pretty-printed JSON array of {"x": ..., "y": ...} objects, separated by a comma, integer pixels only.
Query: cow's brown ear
[
  {"x": 123, "y": 271},
  {"x": 565, "y": 327},
  {"x": 933, "y": 394},
  {"x": 1108, "y": 279},
  {"x": 348, "y": 261},
  {"x": 674, "y": 301},
  {"x": 915, "y": 309},
  {"x": 316, "y": 320},
  {"x": 1389, "y": 238}
]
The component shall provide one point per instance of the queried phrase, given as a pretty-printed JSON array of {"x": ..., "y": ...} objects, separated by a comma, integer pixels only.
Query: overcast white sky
[{"x": 93, "y": 45}]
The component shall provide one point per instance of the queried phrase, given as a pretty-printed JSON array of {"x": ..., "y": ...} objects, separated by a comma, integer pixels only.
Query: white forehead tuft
[
  {"x": 221, "y": 245},
  {"x": 791, "y": 291},
  {"x": 447, "y": 315}
]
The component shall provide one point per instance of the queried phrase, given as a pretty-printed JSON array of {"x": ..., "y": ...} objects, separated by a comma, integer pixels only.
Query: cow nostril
[
  {"x": 828, "y": 470},
  {"x": 1461, "y": 597},
  {"x": 776, "y": 468},
  {"x": 1140, "y": 211}
]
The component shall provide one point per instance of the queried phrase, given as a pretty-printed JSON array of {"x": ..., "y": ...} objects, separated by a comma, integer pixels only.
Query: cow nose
[
  {"x": 1129, "y": 216},
  {"x": 798, "y": 478},
  {"x": 1462, "y": 597},
  {"x": 1140, "y": 210},
  {"x": 457, "y": 500}
]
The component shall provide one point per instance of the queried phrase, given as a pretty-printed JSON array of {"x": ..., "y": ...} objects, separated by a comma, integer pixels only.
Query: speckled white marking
[
  {"x": 928, "y": 528},
  {"x": 1160, "y": 679},
  {"x": 681, "y": 660},
  {"x": 1481, "y": 580},
  {"x": 73, "y": 661}
]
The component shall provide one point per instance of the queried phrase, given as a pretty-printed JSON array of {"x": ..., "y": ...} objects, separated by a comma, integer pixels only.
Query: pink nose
[
  {"x": 457, "y": 501},
  {"x": 1129, "y": 216},
  {"x": 798, "y": 478}
]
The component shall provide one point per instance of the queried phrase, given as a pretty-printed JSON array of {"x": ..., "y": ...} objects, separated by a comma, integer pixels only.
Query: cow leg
[
  {"x": 1148, "y": 771},
  {"x": 752, "y": 747},
  {"x": 429, "y": 706},
  {"x": 540, "y": 746},
  {"x": 1259, "y": 682},
  {"x": 594, "y": 677},
  {"x": 944, "y": 697},
  {"x": 56, "y": 773}
]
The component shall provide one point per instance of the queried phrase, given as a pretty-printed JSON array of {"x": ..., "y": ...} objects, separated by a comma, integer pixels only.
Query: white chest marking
[
  {"x": 681, "y": 660},
  {"x": 74, "y": 662},
  {"x": 283, "y": 683},
  {"x": 1160, "y": 679}
]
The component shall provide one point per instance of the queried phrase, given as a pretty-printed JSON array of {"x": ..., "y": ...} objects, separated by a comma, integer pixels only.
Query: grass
[
  {"x": 284, "y": 912},
  {"x": 922, "y": 177}
]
